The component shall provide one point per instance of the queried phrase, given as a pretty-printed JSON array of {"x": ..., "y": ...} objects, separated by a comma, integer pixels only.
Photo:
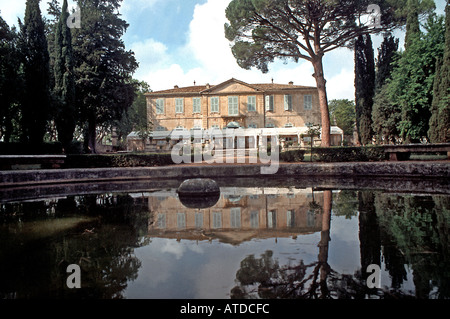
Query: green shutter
[{"x": 288, "y": 102}]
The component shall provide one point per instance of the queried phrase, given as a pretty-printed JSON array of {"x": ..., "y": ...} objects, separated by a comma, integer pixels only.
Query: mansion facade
[
  {"x": 233, "y": 103},
  {"x": 281, "y": 109}
]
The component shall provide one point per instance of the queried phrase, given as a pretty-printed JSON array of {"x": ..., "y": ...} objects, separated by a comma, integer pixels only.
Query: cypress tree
[
  {"x": 384, "y": 115},
  {"x": 64, "y": 80},
  {"x": 10, "y": 82},
  {"x": 387, "y": 54},
  {"x": 364, "y": 87},
  {"x": 412, "y": 22},
  {"x": 35, "y": 59},
  {"x": 439, "y": 131}
]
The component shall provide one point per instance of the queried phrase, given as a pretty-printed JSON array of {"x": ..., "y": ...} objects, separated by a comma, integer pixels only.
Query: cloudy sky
[{"x": 177, "y": 42}]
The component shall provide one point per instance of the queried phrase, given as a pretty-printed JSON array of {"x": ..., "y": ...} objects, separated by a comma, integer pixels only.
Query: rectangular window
[
  {"x": 288, "y": 102},
  {"x": 217, "y": 220},
  {"x": 269, "y": 103},
  {"x": 254, "y": 219},
  {"x": 251, "y": 103},
  {"x": 198, "y": 220},
  {"x": 233, "y": 105},
  {"x": 307, "y": 102},
  {"x": 179, "y": 105},
  {"x": 196, "y": 105},
  {"x": 290, "y": 218},
  {"x": 214, "y": 105},
  {"x": 272, "y": 219},
  {"x": 160, "y": 106},
  {"x": 235, "y": 217},
  {"x": 310, "y": 218},
  {"x": 181, "y": 220},
  {"x": 161, "y": 222},
  {"x": 270, "y": 125},
  {"x": 252, "y": 126}
]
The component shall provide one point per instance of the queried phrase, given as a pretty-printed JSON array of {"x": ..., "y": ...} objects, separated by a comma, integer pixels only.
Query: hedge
[
  {"x": 117, "y": 160},
  {"x": 292, "y": 156},
  {"x": 348, "y": 154}
]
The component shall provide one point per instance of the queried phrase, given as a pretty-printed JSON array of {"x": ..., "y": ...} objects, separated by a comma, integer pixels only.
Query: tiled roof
[
  {"x": 187, "y": 89},
  {"x": 275, "y": 86},
  {"x": 197, "y": 89}
]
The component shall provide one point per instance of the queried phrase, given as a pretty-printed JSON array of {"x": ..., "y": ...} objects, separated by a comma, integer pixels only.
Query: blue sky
[{"x": 178, "y": 42}]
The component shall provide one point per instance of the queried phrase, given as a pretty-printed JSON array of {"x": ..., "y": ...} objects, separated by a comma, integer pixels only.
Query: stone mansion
[{"x": 283, "y": 109}]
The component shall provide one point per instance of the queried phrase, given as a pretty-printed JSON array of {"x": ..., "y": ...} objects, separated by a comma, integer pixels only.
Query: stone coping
[{"x": 413, "y": 169}]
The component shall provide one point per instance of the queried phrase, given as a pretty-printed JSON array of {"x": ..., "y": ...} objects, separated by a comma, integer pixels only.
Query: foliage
[
  {"x": 262, "y": 31},
  {"x": 345, "y": 203},
  {"x": 348, "y": 154},
  {"x": 292, "y": 156},
  {"x": 135, "y": 118},
  {"x": 387, "y": 54},
  {"x": 385, "y": 116},
  {"x": 118, "y": 160},
  {"x": 64, "y": 88},
  {"x": 417, "y": 227},
  {"x": 11, "y": 83},
  {"x": 103, "y": 67},
  {"x": 364, "y": 87},
  {"x": 439, "y": 131},
  {"x": 410, "y": 88},
  {"x": 343, "y": 112},
  {"x": 35, "y": 59}
]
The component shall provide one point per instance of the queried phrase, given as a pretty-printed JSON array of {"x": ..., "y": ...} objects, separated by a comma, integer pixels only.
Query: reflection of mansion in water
[{"x": 239, "y": 215}]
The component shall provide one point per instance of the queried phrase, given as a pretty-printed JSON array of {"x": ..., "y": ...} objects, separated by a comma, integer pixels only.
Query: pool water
[{"x": 253, "y": 242}]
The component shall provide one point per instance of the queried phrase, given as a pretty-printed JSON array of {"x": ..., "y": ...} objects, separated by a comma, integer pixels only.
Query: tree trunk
[
  {"x": 323, "y": 101},
  {"x": 324, "y": 242}
]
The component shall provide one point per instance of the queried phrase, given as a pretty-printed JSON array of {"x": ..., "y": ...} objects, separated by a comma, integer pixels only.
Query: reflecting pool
[{"x": 268, "y": 241}]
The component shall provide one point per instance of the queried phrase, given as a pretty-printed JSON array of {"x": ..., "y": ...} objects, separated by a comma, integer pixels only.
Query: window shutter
[
  {"x": 288, "y": 102},
  {"x": 269, "y": 103}
]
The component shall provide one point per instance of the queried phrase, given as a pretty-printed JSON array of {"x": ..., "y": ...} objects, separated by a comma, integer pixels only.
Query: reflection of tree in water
[
  {"x": 400, "y": 230},
  {"x": 415, "y": 232},
  {"x": 265, "y": 278},
  {"x": 104, "y": 249}
]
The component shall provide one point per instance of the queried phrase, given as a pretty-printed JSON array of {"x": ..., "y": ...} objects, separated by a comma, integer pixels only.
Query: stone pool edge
[{"x": 349, "y": 169}]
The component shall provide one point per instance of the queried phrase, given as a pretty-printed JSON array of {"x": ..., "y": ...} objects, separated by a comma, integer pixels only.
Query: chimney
[
  {"x": 175, "y": 87},
  {"x": 291, "y": 83},
  {"x": 208, "y": 86}
]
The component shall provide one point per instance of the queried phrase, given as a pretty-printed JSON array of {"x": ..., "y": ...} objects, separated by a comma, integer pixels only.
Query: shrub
[
  {"x": 292, "y": 156},
  {"x": 118, "y": 160},
  {"x": 348, "y": 154}
]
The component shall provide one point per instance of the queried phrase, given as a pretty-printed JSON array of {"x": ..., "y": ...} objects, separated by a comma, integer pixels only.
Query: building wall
[{"x": 279, "y": 117}]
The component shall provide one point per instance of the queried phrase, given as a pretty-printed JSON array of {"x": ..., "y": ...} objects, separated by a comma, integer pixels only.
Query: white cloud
[
  {"x": 209, "y": 59},
  {"x": 11, "y": 10},
  {"x": 341, "y": 86}
]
